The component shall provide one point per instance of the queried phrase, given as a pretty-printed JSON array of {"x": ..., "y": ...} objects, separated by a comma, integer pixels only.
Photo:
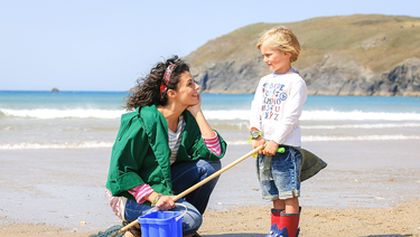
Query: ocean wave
[
  {"x": 321, "y": 115},
  {"x": 38, "y": 146},
  {"x": 359, "y": 138},
  {"x": 356, "y": 115},
  {"x": 363, "y": 126},
  {"x": 222, "y": 115},
  {"x": 343, "y": 138},
  {"x": 99, "y": 144},
  {"x": 62, "y": 113},
  {"x": 227, "y": 114}
]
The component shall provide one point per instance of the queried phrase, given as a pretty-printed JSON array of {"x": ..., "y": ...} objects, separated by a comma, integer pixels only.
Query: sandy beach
[
  {"x": 401, "y": 220},
  {"x": 368, "y": 190}
]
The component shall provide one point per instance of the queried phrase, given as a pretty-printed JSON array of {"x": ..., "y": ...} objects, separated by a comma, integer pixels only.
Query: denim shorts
[{"x": 279, "y": 175}]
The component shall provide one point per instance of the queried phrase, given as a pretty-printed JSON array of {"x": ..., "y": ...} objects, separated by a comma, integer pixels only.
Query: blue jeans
[{"x": 184, "y": 175}]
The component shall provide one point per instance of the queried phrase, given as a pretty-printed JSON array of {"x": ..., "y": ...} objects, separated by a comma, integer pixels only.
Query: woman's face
[
  {"x": 276, "y": 60},
  {"x": 187, "y": 92}
]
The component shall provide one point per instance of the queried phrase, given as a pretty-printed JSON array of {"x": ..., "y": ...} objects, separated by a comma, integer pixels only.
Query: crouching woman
[{"x": 164, "y": 146}]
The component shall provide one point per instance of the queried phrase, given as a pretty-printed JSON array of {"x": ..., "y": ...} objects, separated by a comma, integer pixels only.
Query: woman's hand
[
  {"x": 165, "y": 203},
  {"x": 205, "y": 129},
  {"x": 194, "y": 109},
  {"x": 270, "y": 148}
]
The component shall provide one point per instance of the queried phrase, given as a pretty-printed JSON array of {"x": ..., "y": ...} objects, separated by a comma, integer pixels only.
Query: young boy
[{"x": 275, "y": 112}]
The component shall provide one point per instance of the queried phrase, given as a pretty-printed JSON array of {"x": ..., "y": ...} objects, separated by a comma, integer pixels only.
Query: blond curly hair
[{"x": 283, "y": 39}]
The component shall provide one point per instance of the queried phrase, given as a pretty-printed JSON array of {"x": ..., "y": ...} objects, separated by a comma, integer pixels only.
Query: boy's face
[{"x": 276, "y": 60}]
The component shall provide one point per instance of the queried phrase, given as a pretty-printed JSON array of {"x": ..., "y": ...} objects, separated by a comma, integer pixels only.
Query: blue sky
[{"x": 107, "y": 45}]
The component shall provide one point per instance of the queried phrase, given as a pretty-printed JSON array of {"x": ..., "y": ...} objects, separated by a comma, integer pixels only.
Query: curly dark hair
[{"x": 147, "y": 91}]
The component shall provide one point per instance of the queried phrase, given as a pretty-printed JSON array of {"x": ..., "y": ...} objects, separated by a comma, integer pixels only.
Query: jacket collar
[{"x": 156, "y": 128}]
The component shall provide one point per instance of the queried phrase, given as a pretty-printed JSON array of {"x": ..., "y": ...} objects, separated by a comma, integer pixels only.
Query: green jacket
[{"x": 140, "y": 154}]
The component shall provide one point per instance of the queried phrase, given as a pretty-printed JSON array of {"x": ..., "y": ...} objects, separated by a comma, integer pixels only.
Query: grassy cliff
[{"x": 376, "y": 43}]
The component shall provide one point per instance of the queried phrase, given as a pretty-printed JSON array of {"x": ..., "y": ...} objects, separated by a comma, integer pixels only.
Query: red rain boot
[
  {"x": 275, "y": 216},
  {"x": 284, "y": 224},
  {"x": 290, "y": 221},
  {"x": 275, "y": 222}
]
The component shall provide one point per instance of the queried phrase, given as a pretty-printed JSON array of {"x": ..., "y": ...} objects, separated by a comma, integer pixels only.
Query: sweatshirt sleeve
[
  {"x": 193, "y": 145},
  {"x": 292, "y": 111},
  {"x": 199, "y": 149},
  {"x": 255, "y": 117},
  {"x": 213, "y": 144},
  {"x": 141, "y": 192}
]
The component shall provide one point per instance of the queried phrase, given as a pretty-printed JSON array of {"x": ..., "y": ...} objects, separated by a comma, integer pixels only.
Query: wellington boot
[
  {"x": 276, "y": 232},
  {"x": 284, "y": 224},
  {"x": 290, "y": 222},
  {"x": 275, "y": 215},
  {"x": 275, "y": 223}
]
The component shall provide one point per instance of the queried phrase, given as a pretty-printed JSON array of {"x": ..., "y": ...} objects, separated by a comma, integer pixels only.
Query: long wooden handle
[
  {"x": 202, "y": 182},
  {"x": 215, "y": 174}
]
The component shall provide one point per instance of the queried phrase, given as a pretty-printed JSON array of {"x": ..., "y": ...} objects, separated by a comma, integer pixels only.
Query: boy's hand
[
  {"x": 258, "y": 142},
  {"x": 270, "y": 148}
]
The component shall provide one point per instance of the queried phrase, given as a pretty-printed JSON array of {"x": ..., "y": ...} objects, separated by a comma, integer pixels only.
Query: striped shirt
[{"x": 174, "y": 139}]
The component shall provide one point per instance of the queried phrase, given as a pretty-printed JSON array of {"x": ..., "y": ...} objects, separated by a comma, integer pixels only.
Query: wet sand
[{"x": 368, "y": 188}]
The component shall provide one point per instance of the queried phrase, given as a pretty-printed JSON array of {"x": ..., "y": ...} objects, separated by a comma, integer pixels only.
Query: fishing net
[{"x": 110, "y": 232}]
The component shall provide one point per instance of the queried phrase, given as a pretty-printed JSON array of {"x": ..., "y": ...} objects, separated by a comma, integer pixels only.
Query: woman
[{"x": 163, "y": 147}]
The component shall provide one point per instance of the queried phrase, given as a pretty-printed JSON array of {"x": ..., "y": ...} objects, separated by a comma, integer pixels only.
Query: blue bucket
[{"x": 162, "y": 224}]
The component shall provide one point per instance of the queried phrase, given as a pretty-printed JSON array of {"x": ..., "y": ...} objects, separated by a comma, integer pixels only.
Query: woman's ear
[{"x": 171, "y": 93}]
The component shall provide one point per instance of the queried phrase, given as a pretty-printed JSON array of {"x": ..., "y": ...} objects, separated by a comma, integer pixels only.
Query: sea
[
  {"x": 90, "y": 119},
  {"x": 59, "y": 144}
]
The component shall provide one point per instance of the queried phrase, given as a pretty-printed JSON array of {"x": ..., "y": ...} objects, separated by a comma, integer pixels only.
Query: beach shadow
[
  {"x": 388, "y": 235},
  {"x": 262, "y": 235},
  {"x": 236, "y": 235}
]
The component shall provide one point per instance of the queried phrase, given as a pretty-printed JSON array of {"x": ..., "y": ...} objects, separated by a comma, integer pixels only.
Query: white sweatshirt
[{"x": 277, "y": 105}]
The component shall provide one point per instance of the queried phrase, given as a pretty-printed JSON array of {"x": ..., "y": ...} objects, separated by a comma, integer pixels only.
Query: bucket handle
[
  {"x": 183, "y": 213},
  {"x": 153, "y": 209}
]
